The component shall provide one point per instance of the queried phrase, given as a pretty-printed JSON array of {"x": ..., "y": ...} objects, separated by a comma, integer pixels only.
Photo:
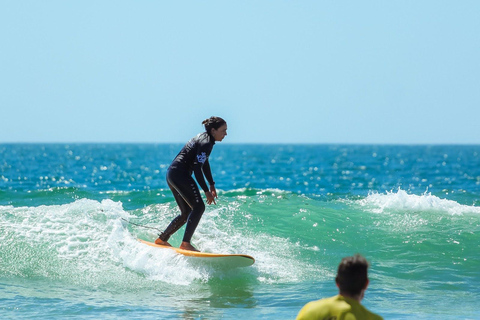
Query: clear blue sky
[{"x": 277, "y": 71}]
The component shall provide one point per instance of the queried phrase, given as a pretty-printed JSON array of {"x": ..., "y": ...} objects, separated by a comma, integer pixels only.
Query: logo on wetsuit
[{"x": 202, "y": 157}]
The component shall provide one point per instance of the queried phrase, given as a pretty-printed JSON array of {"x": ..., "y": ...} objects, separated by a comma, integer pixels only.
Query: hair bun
[{"x": 213, "y": 123}]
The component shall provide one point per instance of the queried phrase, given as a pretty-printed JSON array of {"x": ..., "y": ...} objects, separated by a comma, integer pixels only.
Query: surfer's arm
[
  {"x": 201, "y": 181},
  {"x": 197, "y": 170},
  {"x": 208, "y": 173},
  {"x": 210, "y": 194},
  {"x": 200, "y": 158}
]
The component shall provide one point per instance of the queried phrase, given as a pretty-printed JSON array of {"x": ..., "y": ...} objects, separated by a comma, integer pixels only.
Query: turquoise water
[{"x": 413, "y": 211}]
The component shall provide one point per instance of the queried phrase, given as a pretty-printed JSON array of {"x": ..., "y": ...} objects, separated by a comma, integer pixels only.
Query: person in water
[
  {"x": 193, "y": 158},
  {"x": 352, "y": 281}
]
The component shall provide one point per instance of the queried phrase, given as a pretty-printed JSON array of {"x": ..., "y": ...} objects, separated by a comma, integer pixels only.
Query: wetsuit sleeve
[
  {"x": 200, "y": 159},
  {"x": 208, "y": 173},
  {"x": 197, "y": 170}
]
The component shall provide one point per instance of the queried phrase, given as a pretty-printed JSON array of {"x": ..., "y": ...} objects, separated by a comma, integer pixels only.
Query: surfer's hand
[
  {"x": 210, "y": 198},
  {"x": 213, "y": 191}
]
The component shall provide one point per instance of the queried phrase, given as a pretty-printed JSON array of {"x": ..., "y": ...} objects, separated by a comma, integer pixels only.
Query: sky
[{"x": 370, "y": 72}]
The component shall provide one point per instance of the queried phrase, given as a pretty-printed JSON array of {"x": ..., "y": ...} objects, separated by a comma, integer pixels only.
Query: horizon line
[{"x": 254, "y": 143}]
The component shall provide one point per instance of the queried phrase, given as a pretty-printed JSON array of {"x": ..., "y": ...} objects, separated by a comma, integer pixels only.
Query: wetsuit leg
[
  {"x": 189, "y": 201},
  {"x": 180, "y": 220}
]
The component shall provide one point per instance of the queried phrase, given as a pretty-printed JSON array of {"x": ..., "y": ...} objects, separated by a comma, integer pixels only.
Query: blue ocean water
[{"x": 65, "y": 250}]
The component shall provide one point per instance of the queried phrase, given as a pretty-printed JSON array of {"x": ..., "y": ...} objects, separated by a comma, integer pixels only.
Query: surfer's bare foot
[
  {"x": 188, "y": 246},
  {"x": 162, "y": 243}
]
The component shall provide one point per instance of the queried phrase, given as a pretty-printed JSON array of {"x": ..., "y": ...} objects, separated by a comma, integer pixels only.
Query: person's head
[
  {"x": 352, "y": 277},
  {"x": 216, "y": 127}
]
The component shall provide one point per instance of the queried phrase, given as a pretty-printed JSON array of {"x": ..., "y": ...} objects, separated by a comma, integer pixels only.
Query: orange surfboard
[{"x": 220, "y": 259}]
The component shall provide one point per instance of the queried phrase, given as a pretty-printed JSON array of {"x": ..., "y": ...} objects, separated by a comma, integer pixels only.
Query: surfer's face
[{"x": 220, "y": 133}]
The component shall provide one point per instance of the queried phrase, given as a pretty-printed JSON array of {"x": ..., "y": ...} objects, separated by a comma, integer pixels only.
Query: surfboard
[{"x": 217, "y": 259}]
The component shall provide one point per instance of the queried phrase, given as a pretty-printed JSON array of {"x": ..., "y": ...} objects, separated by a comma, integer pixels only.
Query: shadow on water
[{"x": 227, "y": 292}]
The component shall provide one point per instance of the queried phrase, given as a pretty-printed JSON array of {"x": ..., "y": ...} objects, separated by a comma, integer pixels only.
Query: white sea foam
[
  {"x": 88, "y": 238},
  {"x": 155, "y": 264},
  {"x": 402, "y": 201},
  {"x": 92, "y": 244}
]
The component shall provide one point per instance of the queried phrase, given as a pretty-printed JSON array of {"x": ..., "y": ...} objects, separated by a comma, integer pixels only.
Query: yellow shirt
[{"x": 336, "y": 308}]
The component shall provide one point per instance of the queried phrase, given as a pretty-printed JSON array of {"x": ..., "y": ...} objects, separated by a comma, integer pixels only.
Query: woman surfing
[{"x": 193, "y": 158}]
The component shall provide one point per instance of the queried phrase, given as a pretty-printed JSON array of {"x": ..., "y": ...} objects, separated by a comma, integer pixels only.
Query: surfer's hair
[
  {"x": 213, "y": 123},
  {"x": 352, "y": 275}
]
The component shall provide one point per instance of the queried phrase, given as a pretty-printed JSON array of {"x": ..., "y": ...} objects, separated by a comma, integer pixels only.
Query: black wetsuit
[{"x": 193, "y": 158}]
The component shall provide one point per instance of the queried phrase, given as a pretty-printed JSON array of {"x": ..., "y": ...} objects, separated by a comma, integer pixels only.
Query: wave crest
[{"x": 402, "y": 201}]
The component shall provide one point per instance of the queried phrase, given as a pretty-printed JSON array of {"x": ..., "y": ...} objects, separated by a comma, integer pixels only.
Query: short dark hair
[
  {"x": 352, "y": 274},
  {"x": 213, "y": 123}
]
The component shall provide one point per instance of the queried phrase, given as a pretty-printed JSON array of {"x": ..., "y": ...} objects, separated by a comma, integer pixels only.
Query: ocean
[{"x": 70, "y": 216}]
